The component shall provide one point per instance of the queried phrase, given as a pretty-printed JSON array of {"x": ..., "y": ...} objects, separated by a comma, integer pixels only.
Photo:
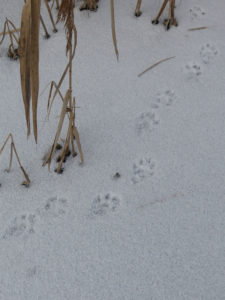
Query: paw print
[
  {"x": 193, "y": 70},
  {"x": 22, "y": 225},
  {"x": 146, "y": 122},
  {"x": 142, "y": 168},
  {"x": 207, "y": 53},
  {"x": 55, "y": 206},
  {"x": 196, "y": 12},
  {"x": 167, "y": 98},
  {"x": 104, "y": 204}
]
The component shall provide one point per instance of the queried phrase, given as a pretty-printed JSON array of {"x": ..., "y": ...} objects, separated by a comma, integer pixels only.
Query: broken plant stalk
[{"x": 13, "y": 149}]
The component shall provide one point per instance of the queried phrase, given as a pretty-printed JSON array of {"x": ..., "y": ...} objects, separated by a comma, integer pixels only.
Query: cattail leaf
[
  {"x": 24, "y": 53},
  {"x": 34, "y": 47}
]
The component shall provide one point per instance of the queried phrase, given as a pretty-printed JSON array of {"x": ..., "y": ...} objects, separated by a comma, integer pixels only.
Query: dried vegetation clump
[{"x": 66, "y": 15}]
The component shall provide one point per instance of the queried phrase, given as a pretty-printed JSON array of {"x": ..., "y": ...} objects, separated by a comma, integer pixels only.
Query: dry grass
[
  {"x": 10, "y": 29},
  {"x": 24, "y": 53},
  {"x": 198, "y": 28},
  {"x": 66, "y": 15},
  {"x": 113, "y": 29},
  {"x": 50, "y": 16},
  {"x": 155, "y": 64},
  {"x": 26, "y": 182},
  {"x": 29, "y": 57}
]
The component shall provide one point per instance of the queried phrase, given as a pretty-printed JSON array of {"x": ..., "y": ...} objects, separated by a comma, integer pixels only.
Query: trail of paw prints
[
  {"x": 105, "y": 204},
  {"x": 192, "y": 70},
  {"x": 21, "y": 226},
  {"x": 196, "y": 12},
  {"x": 208, "y": 53},
  {"x": 142, "y": 168},
  {"x": 166, "y": 98},
  {"x": 146, "y": 122},
  {"x": 24, "y": 225}
]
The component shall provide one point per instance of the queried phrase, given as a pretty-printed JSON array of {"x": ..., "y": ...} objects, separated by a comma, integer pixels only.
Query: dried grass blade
[
  {"x": 11, "y": 31},
  {"x": 113, "y": 29},
  {"x": 24, "y": 53},
  {"x": 50, "y": 16},
  {"x": 35, "y": 25},
  {"x": 10, "y": 159},
  {"x": 27, "y": 182},
  {"x": 62, "y": 116},
  {"x": 66, "y": 145},
  {"x": 68, "y": 65},
  {"x": 76, "y": 134},
  {"x": 49, "y": 105},
  {"x": 4, "y": 33},
  {"x": 15, "y": 30},
  {"x": 154, "y": 65},
  {"x": 198, "y": 28},
  {"x": 13, "y": 148}
]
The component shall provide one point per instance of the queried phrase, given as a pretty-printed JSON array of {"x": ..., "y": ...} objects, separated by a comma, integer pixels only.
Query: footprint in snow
[
  {"x": 31, "y": 272},
  {"x": 55, "y": 207},
  {"x": 166, "y": 98},
  {"x": 192, "y": 70},
  {"x": 208, "y": 53},
  {"x": 143, "y": 168},
  {"x": 24, "y": 225},
  {"x": 104, "y": 204},
  {"x": 21, "y": 226},
  {"x": 146, "y": 122},
  {"x": 196, "y": 12}
]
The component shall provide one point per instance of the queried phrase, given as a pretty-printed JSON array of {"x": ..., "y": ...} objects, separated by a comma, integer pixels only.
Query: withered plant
[
  {"x": 66, "y": 15},
  {"x": 26, "y": 182},
  {"x": 50, "y": 15},
  {"x": 10, "y": 29}
]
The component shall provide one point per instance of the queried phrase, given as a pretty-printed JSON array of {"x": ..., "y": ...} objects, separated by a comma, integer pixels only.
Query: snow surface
[{"x": 157, "y": 231}]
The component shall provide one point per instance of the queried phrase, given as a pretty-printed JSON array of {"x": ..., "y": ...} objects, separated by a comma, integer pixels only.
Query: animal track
[
  {"x": 31, "y": 272},
  {"x": 22, "y": 225},
  {"x": 104, "y": 204},
  {"x": 196, "y": 12},
  {"x": 193, "y": 70},
  {"x": 55, "y": 206},
  {"x": 207, "y": 53},
  {"x": 167, "y": 98},
  {"x": 146, "y": 122},
  {"x": 142, "y": 168}
]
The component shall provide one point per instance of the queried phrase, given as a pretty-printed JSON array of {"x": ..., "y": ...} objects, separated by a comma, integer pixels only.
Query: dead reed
[
  {"x": 66, "y": 15},
  {"x": 26, "y": 182},
  {"x": 10, "y": 29},
  {"x": 29, "y": 57}
]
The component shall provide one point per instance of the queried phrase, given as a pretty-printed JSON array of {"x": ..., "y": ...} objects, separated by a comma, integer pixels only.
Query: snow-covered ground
[{"x": 156, "y": 232}]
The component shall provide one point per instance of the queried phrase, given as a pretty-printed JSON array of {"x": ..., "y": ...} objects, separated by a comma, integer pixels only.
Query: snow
[{"x": 157, "y": 231}]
